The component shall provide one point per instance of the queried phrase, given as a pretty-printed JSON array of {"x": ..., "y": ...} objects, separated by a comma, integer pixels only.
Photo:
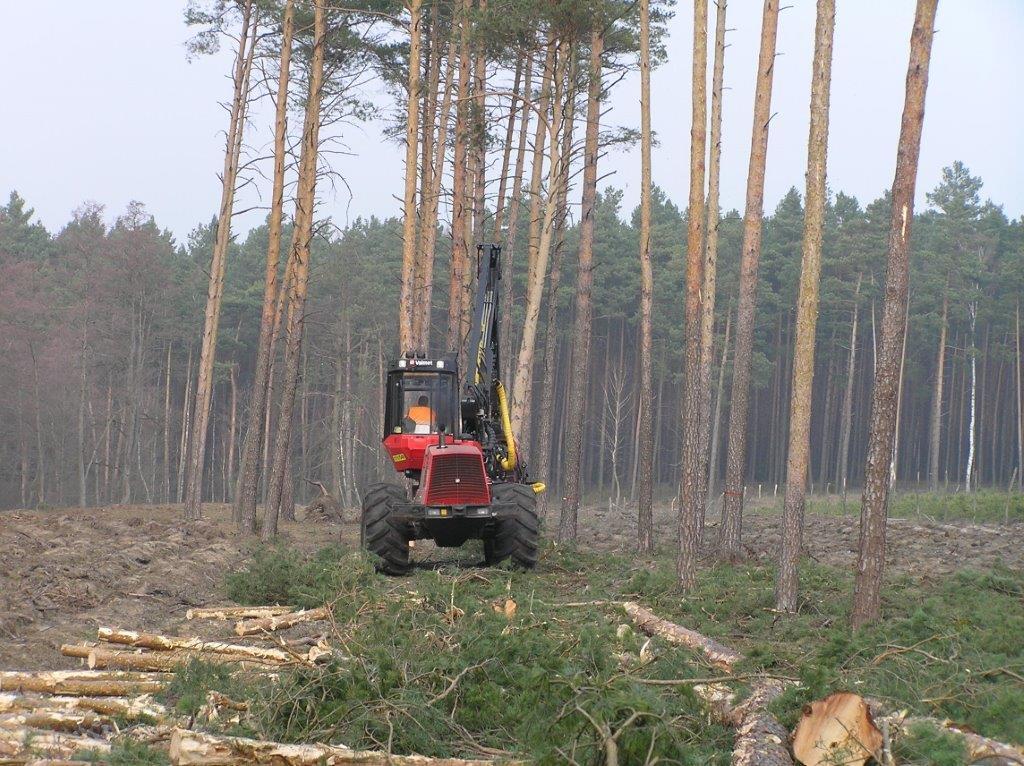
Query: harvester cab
[{"x": 451, "y": 437}]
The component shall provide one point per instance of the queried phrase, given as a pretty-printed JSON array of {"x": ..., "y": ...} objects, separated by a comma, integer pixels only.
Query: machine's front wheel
[
  {"x": 517, "y": 535},
  {"x": 380, "y": 533}
]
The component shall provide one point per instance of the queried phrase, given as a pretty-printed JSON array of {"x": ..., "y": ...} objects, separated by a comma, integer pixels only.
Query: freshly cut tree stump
[
  {"x": 191, "y": 748},
  {"x": 83, "y": 683},
  {"x": 136, "y": 708},
  {"x": 173, "y": 643},
  {"x": 718, "y": 654},
  {"x": 837, "y": 729},
  {"x": 237, "y": 612},
  {"x": 281, "y": 622}
]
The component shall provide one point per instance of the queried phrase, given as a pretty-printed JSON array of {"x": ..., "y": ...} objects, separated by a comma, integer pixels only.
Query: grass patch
[
  {"x": 433, "y": 668},
  {"x": 188, "y": 689},
  {"x": 126, "y": 753}
]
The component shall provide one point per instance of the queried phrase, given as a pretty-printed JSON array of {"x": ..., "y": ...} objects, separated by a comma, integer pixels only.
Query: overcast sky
[{"x": 103, "y": 105}]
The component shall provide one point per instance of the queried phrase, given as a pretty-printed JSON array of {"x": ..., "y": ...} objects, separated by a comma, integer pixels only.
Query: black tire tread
[
  {"x": 380, "y": 534},
  {"x": 517, "y": 536}
]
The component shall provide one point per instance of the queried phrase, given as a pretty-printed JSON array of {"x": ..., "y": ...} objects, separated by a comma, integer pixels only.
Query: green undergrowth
[
  {"x": 431, "y": 664},
  {"x": 126, "y": 753},
  {"x": 982, "y": 507}
]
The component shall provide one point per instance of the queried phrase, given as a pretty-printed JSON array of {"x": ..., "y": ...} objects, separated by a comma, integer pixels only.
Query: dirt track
[{"x": 63, "y": 573}]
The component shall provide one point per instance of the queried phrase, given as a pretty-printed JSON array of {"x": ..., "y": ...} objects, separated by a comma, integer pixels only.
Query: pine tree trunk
[
  {"x": 707, "y": 318},
  {"x": 461, "y": 222},
  {"x": 428, "y": 226},
  {"x": 645, "y": 424},
  {"x": 584, "y": 308},
  {"x": 83, "y": 487},
  {"x": 935, "y": 432},
  {"x": 508, "y": 251},
  {"x": 506, "y": 154},
  {"x": 732, "y": 507},
  {"x": 691, "y": 505},
  {"x": 186, "y": 420},
  {"x": 550, "y": 377},
  {"x": 1020, "y": 404},
  {"x": 412, "y": 132},
  {"x": 713, "y": 450},
  {"x": 478, "y": 156},
  {"x": 847, "y": 425},
  {"x": 973, "y": 398},
  {"x": 244, "y": 509},
  {"x": 301, "y": 240},
  {"x": 871, "y": 557},
  {"x": 522, "y": 387},
  {"x": 798, "y": 463},
  {"x": 167, "y": 428},
  {"x": 232, "y": 152}
]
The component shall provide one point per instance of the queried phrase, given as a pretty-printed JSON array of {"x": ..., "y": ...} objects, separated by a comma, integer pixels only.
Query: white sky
[{"x": 102, "y": 105}]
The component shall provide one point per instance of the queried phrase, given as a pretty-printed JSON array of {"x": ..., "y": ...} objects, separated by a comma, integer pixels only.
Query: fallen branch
[
  {"x": 717, "y": 654},
  {"x": 190, "y": 748},
  {"x": 83, "y": 683},
  {"x": 237, "y": 612},
  {"x": 174, "y": 643},
  {"x": 281, "y": 622}
]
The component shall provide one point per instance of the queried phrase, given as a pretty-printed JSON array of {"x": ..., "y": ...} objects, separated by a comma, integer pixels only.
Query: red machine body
[{"x": 454, "y": 475}]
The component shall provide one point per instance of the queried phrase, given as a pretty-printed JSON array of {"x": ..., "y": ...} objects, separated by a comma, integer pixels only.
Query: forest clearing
[{"x": 524, "y": 459}]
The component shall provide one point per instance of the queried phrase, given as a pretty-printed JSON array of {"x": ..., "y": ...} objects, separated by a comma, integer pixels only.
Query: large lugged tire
[
  {"x": 518, "y": 533},
  {"x": 379, "y": 533}
]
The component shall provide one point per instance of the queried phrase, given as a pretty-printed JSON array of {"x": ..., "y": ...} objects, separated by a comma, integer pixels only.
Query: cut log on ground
[
  {"x": 55, "y": 720},
  {"x": 31, "y": 744},
  {"x": 190, "y": 748},
  {"x": 237, "y": 612},
  {"x": 101, "y": 659},
  {"x": 717, "y": 654},
  {"x": 281, "y": 622},
  {"x": 760, "y": 738},
  {"x": 83, "y": 683},
  {"x": 837, "y": 729},
  {"x": 176, "y": 643},
  {"x": 76, "y": 650},
  {"x": 139, "y": 708},
  {"x": 979, "y": 748}
]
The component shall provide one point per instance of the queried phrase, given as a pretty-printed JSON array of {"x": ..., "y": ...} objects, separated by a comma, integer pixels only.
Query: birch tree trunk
[
  {"x": 691, "y": 506},
  {"x": 301, "y": 240},
  {"x": 847, "y": 424},
  {"x": 584, "y": 288},
  {"x": 244, "y": 508},
  {"x": 229, "y": 177},
  {"x": 736, "y": 452},
  {"x": 797, "y": 465},
  {"x": 412, "y": 132},
  {"x": 973, "y": 397},
  {"x": 717, "y": 419},
  {"x": 645, "y": 426},
  {"x": 871, "y": 556}
]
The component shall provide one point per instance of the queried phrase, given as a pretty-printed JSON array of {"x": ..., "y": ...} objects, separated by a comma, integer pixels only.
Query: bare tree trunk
[
  {"x": 645, "y": 415},
  {"x": 717, "y": 420},
  {"x": 1020, "y": 404},
  {"x": 973, "y": 398},
  {"x": 244, "y": 509},
  {"x": 506, "y": 154},
  {"x": 428, "y": 226},
  {"x": 736, "y": 452},
  {"x": 478, "y": 155},
  {"x": 204, "y": 386},
  {"x": 301, "y": 241},
  {"x": 522, "y": 387},
  {"x": 691, "y": 506},
  {"x": 550, "y": 376},
  {"x": 935, "y": 437},
  {"x": 871, "y": 558},
  {"x": 167, "y": 427},
  {"x": 412, "y": 132},
  {"x": 83, "y": 488},
  {"x": 847, "y": 425},
  {"x": 798, "y": 463},
  {"x": 461, "y": 221},
  {"x": 186, "y": 420},
  {"x": 707, "y": 318},
  {"x": 232, "y": 422},
  {"x": 584, "y": 288},
  {"x": 515, "y": 204}
]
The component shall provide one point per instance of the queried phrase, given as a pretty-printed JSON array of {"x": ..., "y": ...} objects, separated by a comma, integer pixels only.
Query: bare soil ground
[{"x": 65, "y": 572}]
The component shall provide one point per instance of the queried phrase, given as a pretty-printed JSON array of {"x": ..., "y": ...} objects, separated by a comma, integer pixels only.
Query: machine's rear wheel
[
  {"x": 380, "y": 533},
  {"x": 517, "y": 535}
]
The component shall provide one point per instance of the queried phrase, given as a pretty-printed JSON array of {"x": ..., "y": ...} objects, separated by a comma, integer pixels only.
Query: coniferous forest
[{"x": 746, "y": 487}]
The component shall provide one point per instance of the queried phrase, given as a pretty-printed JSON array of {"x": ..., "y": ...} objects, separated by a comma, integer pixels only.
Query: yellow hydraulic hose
[{"x": 508, "y": 462}]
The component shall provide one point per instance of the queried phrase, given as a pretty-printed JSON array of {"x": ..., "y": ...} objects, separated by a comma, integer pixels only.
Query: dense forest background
[{"x": 100, "y": 324}]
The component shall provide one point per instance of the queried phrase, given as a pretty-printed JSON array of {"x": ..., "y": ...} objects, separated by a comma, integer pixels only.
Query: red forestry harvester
[{"x": 452, "y": 439}]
